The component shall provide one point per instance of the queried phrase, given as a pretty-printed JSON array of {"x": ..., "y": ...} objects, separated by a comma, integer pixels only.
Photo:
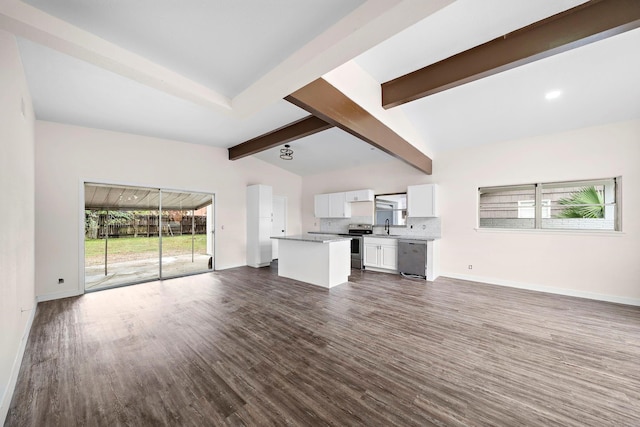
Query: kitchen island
[{"x": 318, "y": 259}]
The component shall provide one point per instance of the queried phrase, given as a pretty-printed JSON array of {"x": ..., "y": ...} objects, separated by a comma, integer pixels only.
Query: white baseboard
[
  {"x": 227, "y": 267},
  {"x": 380, "y": 270},
  {"x": 58, "y": 295},
  {"x": 15, "y": 369},
  {"x": 546, "y": 289}
]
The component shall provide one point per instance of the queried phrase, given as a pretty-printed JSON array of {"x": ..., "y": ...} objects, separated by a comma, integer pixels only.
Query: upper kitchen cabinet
[
  {"x": 421, "y": 200},
  {"x": 360, "y": 196},
  {"x": 321, "y": 205},
  {"x": 332, "y": 205},
  {"x": 338, "y": 206}
]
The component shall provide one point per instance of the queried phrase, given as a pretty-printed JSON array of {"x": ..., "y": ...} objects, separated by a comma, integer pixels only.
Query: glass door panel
[
  {"x": 186, "y": 230},
  {"x": 121, "y": 235}
]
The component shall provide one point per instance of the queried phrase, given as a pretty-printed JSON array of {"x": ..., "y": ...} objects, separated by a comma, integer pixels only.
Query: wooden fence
[{"x": 146, "y": 226}]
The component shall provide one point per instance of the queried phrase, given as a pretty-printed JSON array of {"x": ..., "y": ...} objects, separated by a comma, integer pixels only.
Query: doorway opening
[{"x": 137, "y": 234}]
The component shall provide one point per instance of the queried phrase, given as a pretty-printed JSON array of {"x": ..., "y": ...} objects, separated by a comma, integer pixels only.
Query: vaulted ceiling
[{"x": 217, "y": 72}]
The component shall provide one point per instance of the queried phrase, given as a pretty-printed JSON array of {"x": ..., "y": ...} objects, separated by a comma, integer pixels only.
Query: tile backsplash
[
  {"x": 341, "y": 225},
  {"x": 423, "y": 227}
]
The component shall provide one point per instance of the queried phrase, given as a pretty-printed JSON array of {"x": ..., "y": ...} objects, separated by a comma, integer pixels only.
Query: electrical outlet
[
  {"x": 60, "y": 281},
  {"x": 470, "y": 267}
]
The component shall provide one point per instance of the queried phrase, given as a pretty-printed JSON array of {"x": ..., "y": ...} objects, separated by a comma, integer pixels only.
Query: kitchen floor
[{"x": 245, "y": 347}]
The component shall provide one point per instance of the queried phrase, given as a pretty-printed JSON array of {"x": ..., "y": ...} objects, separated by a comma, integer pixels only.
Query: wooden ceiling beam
[
  {"x": 323, "y": 100},
  {"x": 296, "y": 130},
  {"x": 587, "y": 23}
]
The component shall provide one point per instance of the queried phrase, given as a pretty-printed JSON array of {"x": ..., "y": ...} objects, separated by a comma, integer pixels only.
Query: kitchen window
[
  {"x": 391, "y": 207},
  {"x": 569, "y": 205}
]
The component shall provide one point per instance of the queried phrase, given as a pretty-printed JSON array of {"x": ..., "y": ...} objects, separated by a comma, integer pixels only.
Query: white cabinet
[
  {"x": 421, "y": 200},
  {"x": 259, "y": 225},
  {"x": 371, "y": 254},
  {"x": 332, "y": 205},
  {"x": 381, "y": 253},
  {"x": 360, "y": 196},
  {"x": 321, "y": 205},
  {"x": 338, "y": 206},
  {"x": 389, "y": 256}
]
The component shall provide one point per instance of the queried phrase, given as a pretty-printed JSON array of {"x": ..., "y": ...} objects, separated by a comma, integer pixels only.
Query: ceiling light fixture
[
  {"x": 286, "y": 153},
  {"x": 554, "y": 94}
]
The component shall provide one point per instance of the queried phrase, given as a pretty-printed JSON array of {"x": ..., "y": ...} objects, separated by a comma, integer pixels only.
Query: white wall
[
  {"x": 602, "y": 266},
  {"x": 66, "y": 156},
  {"x": 17, "y": 301},
  {"x": 588, "y": 264}
]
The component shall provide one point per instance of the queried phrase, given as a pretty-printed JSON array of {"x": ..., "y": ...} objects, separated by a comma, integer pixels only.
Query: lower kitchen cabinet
[
  {"x": 389, "y": 256},
  {"x": 381, "y": 253},
  {"x": 371, "y": 255}
]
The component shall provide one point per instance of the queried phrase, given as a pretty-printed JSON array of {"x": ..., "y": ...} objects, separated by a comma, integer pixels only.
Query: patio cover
[{"x": 111, "y": 197}]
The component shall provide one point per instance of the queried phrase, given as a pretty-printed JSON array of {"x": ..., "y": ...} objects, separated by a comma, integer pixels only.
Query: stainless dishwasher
[{"x": 412, "y": 257}]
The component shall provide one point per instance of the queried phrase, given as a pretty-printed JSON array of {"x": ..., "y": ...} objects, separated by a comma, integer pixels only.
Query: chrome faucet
[{"x": 386, "y": 226}]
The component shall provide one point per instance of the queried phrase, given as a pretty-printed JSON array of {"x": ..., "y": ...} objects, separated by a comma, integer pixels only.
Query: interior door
[{"x": 279, "y": 225}]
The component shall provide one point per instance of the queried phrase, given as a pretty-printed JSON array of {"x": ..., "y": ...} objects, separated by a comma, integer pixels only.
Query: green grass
[{"x": 129, "y": 248}]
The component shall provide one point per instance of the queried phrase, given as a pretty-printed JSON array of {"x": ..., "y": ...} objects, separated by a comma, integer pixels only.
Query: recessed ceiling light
[{"x": 554, "y": 94}]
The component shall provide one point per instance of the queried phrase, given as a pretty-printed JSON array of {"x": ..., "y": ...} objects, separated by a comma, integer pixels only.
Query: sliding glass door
[
  {"x": 135, "y": 234},
  {"x": 185, "y": 234}
]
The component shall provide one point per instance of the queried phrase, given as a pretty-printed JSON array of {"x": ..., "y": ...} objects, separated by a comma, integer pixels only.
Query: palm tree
[{"x": 588, "y": 202}]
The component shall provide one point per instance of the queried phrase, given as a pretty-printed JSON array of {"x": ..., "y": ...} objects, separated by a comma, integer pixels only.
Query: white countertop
[
  {"x": 405, "y": 237},
  {"x": 314, "y": 238},
  {"x": 384, "y": 236}
]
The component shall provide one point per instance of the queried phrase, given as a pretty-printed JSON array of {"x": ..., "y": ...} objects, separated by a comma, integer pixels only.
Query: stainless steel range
[{"x": 357, "y": 232}]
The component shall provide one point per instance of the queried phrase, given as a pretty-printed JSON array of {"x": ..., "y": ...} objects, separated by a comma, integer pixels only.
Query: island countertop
[{"x": 314, "y": 238}]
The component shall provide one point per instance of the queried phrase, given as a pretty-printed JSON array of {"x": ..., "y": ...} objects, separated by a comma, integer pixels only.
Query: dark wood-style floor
[{"x": 244, "y": 347}]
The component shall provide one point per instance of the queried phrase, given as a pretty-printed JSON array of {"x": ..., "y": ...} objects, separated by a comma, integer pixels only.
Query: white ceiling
[
  {"x": 599, "y": 84},
  {"x": 224, "y": 45},
  {"x": 68, "y": 90},
  {"x": 330, "y": 150},
  {"x": 248, "y": 48}
]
